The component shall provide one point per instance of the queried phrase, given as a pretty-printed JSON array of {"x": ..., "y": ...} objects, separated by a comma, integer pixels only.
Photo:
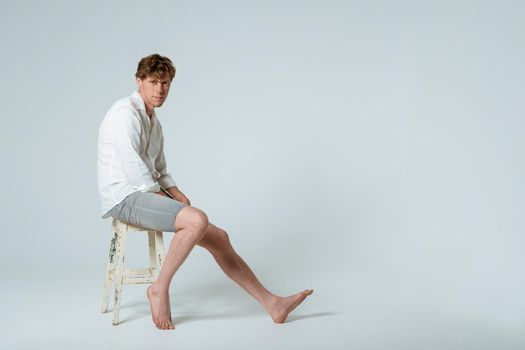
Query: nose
[{"x": 159, "y": 88}]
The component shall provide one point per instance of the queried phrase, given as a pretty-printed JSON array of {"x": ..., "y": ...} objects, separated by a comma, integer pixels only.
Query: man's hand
[{"x": 178, "y": 195}]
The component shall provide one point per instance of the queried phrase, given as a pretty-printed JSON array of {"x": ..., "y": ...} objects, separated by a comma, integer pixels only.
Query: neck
[{"x": 149, "y": 110}]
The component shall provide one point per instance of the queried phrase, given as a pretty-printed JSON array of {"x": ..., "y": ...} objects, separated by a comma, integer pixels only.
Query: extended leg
[{"x": 216, "y": 241}]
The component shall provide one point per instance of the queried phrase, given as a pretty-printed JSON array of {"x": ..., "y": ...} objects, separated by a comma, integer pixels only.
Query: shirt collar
[
  {"x": 141, "y": 106},
  {"x": 140, "y": 102}
]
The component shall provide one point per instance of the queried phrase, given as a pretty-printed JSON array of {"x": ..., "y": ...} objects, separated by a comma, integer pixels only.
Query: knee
[
  {"x": 222, "y": 239},
  {"x": 220, "y": 245},
  {"x": 192, "y": 218}
]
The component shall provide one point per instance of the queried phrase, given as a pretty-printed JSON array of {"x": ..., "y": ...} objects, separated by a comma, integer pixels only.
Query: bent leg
[
  {"x": 191, "y": 224},
  {"x": 217, "y": 242}
]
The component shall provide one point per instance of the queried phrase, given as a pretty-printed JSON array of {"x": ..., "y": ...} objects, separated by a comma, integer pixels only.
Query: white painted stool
[{"x": 115, "y": 271}]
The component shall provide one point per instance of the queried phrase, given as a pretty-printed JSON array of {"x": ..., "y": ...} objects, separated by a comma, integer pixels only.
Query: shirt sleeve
[
  {"x": 164, "y": 178},
  {"x": 126, "y": 131}
]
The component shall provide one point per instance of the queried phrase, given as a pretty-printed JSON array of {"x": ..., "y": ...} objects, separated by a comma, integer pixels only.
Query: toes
[{"x": 166, "y": 325}]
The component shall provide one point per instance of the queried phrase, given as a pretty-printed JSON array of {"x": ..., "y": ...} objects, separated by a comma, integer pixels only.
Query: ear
[{"x": 139, "y": 82}]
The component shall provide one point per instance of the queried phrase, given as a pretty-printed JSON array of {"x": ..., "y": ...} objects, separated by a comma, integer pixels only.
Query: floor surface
[{"x": 59, "y": 310}]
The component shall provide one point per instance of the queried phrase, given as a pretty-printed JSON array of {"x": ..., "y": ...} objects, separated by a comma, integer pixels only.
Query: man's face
[{"x": 154, "y": 90}]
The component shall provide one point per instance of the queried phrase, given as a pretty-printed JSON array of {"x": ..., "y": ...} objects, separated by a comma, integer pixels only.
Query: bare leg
[
  {"x": 217, "y": 242},
  {"x": 192, "y": 223}
]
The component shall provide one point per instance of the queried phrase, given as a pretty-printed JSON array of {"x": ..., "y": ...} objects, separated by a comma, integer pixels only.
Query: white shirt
[{"x": 130, "y": 153}]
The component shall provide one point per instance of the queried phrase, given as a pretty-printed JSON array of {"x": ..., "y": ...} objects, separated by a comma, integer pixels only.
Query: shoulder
[
  {"x": 128, "y": 103},
  {"x": 122, "y": 116},
  {"x": 124, "y": 109}
]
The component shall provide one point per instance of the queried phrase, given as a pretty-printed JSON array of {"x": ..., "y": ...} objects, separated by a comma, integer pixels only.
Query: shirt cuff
[
  {"x": 166, "y": 182},
  {"x": 154, "y": 188}
]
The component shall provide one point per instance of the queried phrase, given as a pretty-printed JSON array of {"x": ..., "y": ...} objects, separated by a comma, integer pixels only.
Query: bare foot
[
  {"x": 159, "y": 303},
  {"x": 281, "y": 307}
]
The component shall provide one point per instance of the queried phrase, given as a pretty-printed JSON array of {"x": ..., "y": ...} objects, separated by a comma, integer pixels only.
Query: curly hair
[{"x": 155, "y": 65}]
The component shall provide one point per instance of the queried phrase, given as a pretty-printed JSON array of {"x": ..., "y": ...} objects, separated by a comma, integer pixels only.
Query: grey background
[{"x": 370, "y": 150}]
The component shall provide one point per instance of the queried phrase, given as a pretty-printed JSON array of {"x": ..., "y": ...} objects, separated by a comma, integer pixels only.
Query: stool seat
[{"x": 117, "y": 274}]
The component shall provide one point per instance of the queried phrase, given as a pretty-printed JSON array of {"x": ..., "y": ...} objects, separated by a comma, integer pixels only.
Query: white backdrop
[{"x": 371, "y": 150}]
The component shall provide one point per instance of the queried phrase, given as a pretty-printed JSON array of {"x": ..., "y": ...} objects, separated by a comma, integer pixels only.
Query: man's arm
[
  {"x": 165, "y": 179},
  {"x": 175, "y": 193},
  {"x": 178, "y": 195},
  {"x": 126, "y": 129}
]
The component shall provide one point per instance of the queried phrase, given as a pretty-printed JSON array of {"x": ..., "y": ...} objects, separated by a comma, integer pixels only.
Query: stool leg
[
  {"x": 159, "y": 248},
  {"x": 120, "y": 273},
  {"x": 110, "y": 266},
  {"x": 152, "y": 252}
]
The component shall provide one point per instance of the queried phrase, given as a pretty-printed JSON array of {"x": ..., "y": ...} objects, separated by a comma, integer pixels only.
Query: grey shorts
[{"x": 149, "y": 210}]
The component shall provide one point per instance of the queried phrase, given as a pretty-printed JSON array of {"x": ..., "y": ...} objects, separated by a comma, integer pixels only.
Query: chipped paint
[{"x": 113, "y": 249}]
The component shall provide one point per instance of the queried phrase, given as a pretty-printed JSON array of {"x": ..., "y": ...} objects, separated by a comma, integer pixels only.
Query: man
[{"x": 135, "y": 187}]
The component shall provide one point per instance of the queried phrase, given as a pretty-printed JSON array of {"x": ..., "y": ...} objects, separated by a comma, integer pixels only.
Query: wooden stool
[{"x": 115, "y": 271}]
